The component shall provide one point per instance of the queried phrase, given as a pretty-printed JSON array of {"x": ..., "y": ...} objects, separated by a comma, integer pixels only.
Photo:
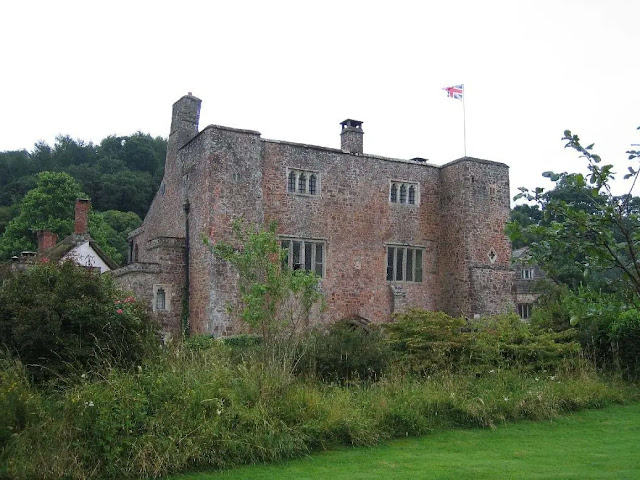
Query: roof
[{"x": 57, "y": 252}]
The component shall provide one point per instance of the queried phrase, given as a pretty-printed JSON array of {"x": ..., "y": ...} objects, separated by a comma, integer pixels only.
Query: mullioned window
[{"x": 303, "y": 182}]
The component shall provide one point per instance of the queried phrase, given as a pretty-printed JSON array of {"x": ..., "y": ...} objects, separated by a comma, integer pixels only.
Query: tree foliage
[
  {"x": 586, "y": 233},
  {"x": 64, "y": 319}
]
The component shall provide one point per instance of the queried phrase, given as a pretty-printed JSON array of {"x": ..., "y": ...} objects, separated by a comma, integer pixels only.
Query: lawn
[{"x": 589, "y": 444}]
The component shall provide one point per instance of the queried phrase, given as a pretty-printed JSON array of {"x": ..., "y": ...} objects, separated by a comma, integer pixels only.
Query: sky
[{"x": 293, "y": 70}]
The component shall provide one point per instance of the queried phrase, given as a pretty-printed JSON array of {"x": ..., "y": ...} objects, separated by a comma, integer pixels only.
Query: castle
[{"x": 384, "y": 234}]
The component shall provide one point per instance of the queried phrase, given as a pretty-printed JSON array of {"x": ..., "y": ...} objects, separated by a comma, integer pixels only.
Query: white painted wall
[{"x": 86, "y": 256}]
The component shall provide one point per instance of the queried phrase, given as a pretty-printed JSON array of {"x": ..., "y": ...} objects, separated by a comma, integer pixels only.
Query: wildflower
[
  {"x": 117, "y": 302},
  {"x": 219, "y": 411},
  {"x": 88, "y": 404},
  {"x": 492, "y": 371},
  {"x": 506, "y": 399},
  {"x": 119, "y": 311}
]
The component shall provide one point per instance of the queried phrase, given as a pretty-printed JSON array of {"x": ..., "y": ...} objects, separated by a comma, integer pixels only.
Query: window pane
[
  {"x": 319, "y": 258},
  {"x": 297, "y": 263},
  {"x": 394, "y": 193},
  {"x": 307, "y": 255},
  {"x": 412, "y": 195},
  {"x": 302, "y": 183},
  {"x": 312, "y": 184},
  {"x": 418, "y": 267},
  {"x": 160, "y": 299},
  {"x": 403, "y": 193},
  {"x": 410, "y": 253},
  {"x": 399, "y": 263},
  {"x": 292, "y": 181},
  {"x": 390, "y": 263}
]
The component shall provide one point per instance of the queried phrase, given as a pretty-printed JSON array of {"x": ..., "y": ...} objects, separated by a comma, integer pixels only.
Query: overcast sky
[{"x": 294, "y": 70}]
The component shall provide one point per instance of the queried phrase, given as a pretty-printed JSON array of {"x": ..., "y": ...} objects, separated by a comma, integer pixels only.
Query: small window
[
  {"x": 524, "y": 310},
  {"x": 303, "y": 255},
  {"x": 135, "y": 252},
  {"x": 404, "y": 264},
  {"x": 302, "y": 183},
  {"x": 403, "y": 193},
  {"x": 312, "y": 184},
  {"x": 292, "y": 181},
  {"x": 161, "y": 299},
  {"x": 527, "y": 273},
  {"x": 394, "y": 193},
  {"x": 406, "y": 193}
]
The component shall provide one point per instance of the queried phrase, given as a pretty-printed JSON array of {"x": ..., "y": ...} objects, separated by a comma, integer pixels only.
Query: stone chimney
[
  {"x": 184, "y": 120},
  {"x": 81, "y": 224},
  {"x": 46, "y": 240},
  {"x": 351, "y": 136}
]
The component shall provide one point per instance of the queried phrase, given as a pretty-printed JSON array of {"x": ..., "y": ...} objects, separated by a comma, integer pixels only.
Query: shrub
[
  {"x": 625, "y": 337},
  {"x": 64, "y": 319},
  {"x": 429, "y": 342},
  {"x": 344, "y": 352}
]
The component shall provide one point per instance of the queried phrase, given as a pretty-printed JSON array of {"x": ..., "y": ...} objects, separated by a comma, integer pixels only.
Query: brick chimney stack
[
  {"x": 351, "y": 136},
  {"x": 46, "y": 240},
  {"x": 81, "y": 224}
]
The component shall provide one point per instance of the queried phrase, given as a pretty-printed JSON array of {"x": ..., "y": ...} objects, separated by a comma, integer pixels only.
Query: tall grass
[{"x": 205, "y": 408}]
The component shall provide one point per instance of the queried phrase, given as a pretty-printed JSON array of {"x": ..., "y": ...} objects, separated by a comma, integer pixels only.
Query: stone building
[
  {"x": 383, "y": 233},
  {"x": 526, "y": 285}
]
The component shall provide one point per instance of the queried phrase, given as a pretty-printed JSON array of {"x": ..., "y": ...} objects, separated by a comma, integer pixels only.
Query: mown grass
[{"x": 589, "y": 444}]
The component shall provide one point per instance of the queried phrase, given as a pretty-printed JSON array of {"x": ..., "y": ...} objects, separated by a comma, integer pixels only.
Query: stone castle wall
[{"x": 221, "y": 174}]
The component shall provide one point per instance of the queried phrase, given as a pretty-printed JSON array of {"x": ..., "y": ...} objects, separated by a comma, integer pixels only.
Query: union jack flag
[{"x": 455, "y": 92}]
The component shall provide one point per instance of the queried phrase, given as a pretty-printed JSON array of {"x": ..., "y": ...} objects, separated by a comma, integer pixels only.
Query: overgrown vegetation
[
  {"x": 204, "y": 408},
  {"x": 64, "y": 321}
]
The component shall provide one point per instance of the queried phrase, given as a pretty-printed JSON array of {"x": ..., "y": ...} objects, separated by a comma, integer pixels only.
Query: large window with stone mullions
[
  {"x": 404, "y": 264},
  {"x": 304, "y": 255}
]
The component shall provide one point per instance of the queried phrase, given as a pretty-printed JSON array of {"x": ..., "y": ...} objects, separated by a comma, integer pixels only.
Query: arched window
[
  {"x": 302, "y": 183},
  {"x": 161, "y": 299},
  {"x": 403, "y": 193},
  {"x": 292, "y": 181},
  {"x": 394, "y": 193},
  {"x": 312, "y": 184},
  {"x": 412, "y": 195}
]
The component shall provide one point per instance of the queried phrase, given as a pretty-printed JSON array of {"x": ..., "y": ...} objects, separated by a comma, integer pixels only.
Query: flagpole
[{"x": 464, "y": 121}]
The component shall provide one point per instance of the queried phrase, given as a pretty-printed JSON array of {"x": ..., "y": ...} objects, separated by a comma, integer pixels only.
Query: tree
[
  {"x": 275, "y": 301},
  {"x": 65, "y": 319},
  {"x": 584, "y": 224},
  {"x": 50, "y": 205}
]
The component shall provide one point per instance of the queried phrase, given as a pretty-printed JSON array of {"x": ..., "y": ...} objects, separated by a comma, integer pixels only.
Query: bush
[
  {"x": 344, "y": 352},
  {"x": 625, "y": 337},
  {"x": 429, "y": 342},
  {"x": 61, "y": 320}
]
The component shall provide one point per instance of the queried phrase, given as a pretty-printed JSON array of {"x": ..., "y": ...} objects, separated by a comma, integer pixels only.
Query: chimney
[
  {"x": 81, "y": 224},
  {"x": 184, "y": 120},
  {"x": 351, "y": 136},
  {"x": 46, "y": 240}
]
